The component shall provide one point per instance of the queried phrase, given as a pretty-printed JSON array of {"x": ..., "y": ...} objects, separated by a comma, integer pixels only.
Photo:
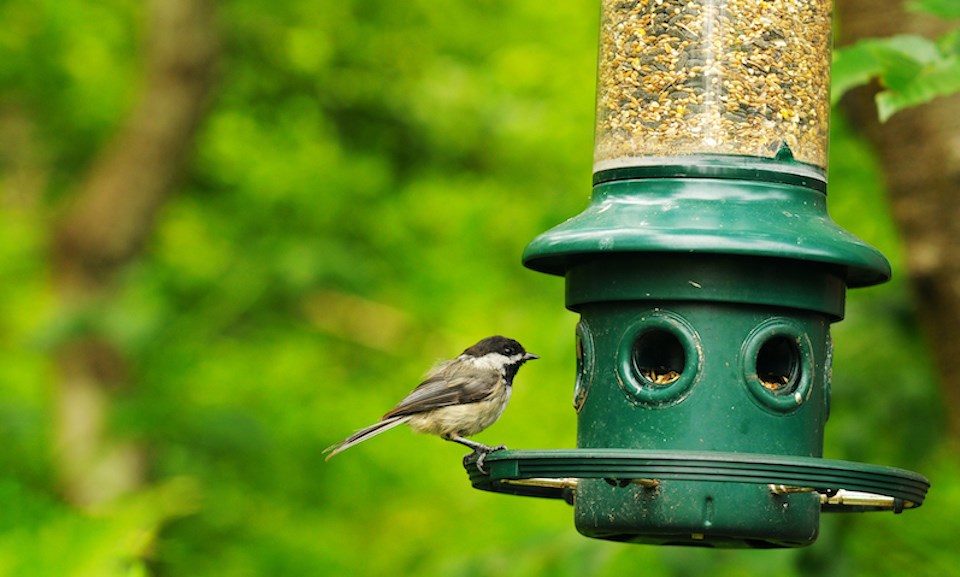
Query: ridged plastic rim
[
  {"x": 734, "y": 167},
  {"x": 822, "y": 475}
]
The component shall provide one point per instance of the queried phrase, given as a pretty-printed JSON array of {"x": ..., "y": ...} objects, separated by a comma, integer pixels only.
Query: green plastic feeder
[{"x": 706, "y": 272}]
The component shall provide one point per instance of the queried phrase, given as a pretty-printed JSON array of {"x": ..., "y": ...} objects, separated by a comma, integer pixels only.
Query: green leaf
[
  {"x": 902, "y": 58},
  {"x": 945, "y": 9},
  {"x": 949, "y": 43},
  {"x": 929, "y": 84},
  {"x": 852, "y": 66},
  {"x": 910, "y": 47},
  {"x": 895, "y": 60},
  {"x": 912, "y": 69}
]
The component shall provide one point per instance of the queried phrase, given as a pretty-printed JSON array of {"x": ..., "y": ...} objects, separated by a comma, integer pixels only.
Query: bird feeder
[{"x": 706, "y": 272}]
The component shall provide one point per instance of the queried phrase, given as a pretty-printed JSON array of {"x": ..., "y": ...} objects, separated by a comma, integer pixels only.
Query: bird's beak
[{"x": 530, "y": 357}]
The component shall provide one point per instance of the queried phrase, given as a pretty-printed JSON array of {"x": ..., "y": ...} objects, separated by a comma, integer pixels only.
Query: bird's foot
[{"x": 482, "y": 453}]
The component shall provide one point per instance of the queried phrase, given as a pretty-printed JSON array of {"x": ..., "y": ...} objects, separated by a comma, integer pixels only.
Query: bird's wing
[{"x": 442, "y": 389}]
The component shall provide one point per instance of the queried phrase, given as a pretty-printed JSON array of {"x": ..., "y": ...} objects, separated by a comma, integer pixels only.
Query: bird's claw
[{"x": 482, "y": 455}]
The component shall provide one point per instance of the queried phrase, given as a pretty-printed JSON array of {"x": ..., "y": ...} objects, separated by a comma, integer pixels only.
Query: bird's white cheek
[{"x": 490, "y": 361}]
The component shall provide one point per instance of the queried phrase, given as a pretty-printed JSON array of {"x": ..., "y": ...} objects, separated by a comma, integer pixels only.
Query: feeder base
[{"x": 710, "y": 499}]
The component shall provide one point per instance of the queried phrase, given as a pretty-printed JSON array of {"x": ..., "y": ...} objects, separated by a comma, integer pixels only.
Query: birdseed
[
  {"x": 659, "y": 376},
  {"x": 741, "y": 77}
]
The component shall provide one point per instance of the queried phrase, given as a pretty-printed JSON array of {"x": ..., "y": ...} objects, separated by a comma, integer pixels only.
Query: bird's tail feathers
[{"x": 364, "y": 434}]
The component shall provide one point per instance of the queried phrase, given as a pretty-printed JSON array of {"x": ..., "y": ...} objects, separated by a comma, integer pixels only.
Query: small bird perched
[{"x": 457, "y": 398}]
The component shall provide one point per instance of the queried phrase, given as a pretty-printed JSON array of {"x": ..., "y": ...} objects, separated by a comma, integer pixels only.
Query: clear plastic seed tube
[{"x": 732, "y": 77}]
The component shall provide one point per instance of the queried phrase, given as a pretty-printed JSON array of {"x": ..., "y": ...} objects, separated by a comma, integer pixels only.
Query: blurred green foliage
[
  {"x": 355, "y": 209},
  {"x": 912, "y": 69}
]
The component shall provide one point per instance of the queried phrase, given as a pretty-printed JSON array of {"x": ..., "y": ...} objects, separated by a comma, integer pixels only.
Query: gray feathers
[
  {"x": 450, "y": 384},
  {"x": 364, "y": 434},
  {"x": 457, "y": 398}
]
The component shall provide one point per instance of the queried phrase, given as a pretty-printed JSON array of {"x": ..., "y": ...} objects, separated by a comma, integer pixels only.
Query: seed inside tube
[{"x": 738, "y": 77}]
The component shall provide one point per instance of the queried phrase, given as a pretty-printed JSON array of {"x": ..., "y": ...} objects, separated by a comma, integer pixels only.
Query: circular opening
[
  {"x": 658, "y": 357},
  {"x": 778, "y": 364}
]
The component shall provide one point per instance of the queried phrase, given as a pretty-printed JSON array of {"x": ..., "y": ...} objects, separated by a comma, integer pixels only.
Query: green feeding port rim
[{"x": 844, "y": 486}]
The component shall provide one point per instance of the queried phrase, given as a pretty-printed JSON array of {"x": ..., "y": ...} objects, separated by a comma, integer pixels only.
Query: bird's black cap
[{"x": 498, "y": 344}]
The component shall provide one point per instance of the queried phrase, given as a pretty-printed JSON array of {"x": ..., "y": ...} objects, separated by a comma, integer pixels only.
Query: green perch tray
[{"x": 844, "y": 486}]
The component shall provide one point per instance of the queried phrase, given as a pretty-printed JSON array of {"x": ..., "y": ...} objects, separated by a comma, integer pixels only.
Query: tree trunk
[
  {"x": 920, "y": 153},
  {"x": 109, "y": 220}
]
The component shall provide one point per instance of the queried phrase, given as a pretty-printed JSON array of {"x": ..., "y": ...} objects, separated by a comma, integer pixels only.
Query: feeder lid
[{"x": 708, "y": 210}]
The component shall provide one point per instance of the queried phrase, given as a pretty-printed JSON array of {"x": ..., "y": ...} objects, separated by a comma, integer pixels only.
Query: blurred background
[{"x": 233, "y": 233}]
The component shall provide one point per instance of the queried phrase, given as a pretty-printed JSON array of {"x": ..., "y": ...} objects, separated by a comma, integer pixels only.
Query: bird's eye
[{"x": 508, "y": 351}]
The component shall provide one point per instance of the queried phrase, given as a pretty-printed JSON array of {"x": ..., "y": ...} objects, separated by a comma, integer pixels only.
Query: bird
[{"x": 457, "y": 398}]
